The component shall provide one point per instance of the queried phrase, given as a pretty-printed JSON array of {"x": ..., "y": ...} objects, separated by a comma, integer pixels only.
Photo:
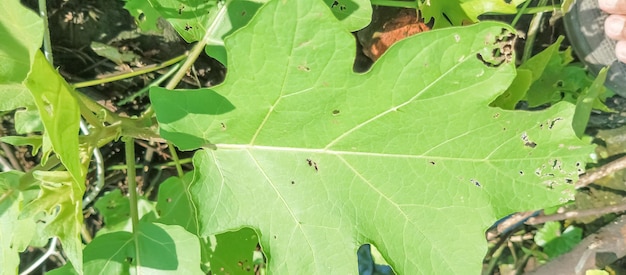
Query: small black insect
[
  {"x": 188, "y": 27},
  {"x": 180, "y": 9},
  {"x": 310, "y": 162},
  {"x": 335, "y": 3}
]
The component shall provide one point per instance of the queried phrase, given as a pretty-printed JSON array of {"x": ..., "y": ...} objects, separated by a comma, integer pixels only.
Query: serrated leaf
[
  {"x": 60, "y": 115},
  {"x": 33, "y": 141},
  {"x": 320, "y": 159},
  {"x": 60, "y": 200},
  {"x": 157, "y": 249}
]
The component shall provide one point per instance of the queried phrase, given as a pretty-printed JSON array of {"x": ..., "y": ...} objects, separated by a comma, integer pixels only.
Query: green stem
[
  {"x": 179, "y": 168},
  {"x": 145, "y": 89},
  {"x": 533, "y": 28},
  {"x": 520, "y": 12},
  {"x": 47, "y": 44},
  {"x": 141, "y": 71},
  {"x": 132, "y": 195}
]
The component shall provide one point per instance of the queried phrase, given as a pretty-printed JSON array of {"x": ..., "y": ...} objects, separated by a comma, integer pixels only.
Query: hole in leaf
[
  {"x": 141, "y": 17},
  {"x": 501, "y": 51},
  {"x": 335, "y": 3},
  {"x": 475, "y": 182},
  {"x": 168, "y": 200},
  {"x": 527, "y": 141},
  {"x": 304, "y": 68},
  {"x": 370, "y": 261},
  {"x": 47, "y": 105}
]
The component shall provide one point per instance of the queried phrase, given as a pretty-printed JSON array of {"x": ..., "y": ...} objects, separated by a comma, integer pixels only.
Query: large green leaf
[{"x": 408, "y": 156}]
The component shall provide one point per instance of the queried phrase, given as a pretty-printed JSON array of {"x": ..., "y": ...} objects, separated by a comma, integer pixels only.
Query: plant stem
[
  {"x": 533, "y": 28},
  {"x": 129, "y": 145},
  {"x": 179, "y": 168},
  {"x": 141, "y": 71},
  {"x": 520, "y": 12},
  {"x": 47, "y": 44},
  {"x": 145, "y": 89}
]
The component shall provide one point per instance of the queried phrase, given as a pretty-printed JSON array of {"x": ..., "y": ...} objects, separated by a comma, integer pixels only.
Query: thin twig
[
  {"x": 601, "y": 172},
  {"x": 578, "y": 214}
]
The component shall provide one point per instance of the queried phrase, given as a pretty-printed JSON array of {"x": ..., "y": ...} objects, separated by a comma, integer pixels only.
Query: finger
[
  {"x": 614, "y": 27},
  {"x": 613, "y": 6},
  {"x": 620, "y": 51}
]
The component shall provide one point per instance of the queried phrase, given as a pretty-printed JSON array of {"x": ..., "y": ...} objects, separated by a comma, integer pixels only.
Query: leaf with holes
[
  {"x": 407, "y": 157},
  {"x": 459, "y": 12}
]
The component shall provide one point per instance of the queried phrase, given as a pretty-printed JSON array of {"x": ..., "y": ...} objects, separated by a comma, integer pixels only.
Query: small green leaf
[
  {"x": 554, "y": 242},
  {"x": 586, "y": 102},
  {"x": 34, "y": 141},
  {"x": 174, "y": 204},
  {"x": 113, "y": 53}
]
